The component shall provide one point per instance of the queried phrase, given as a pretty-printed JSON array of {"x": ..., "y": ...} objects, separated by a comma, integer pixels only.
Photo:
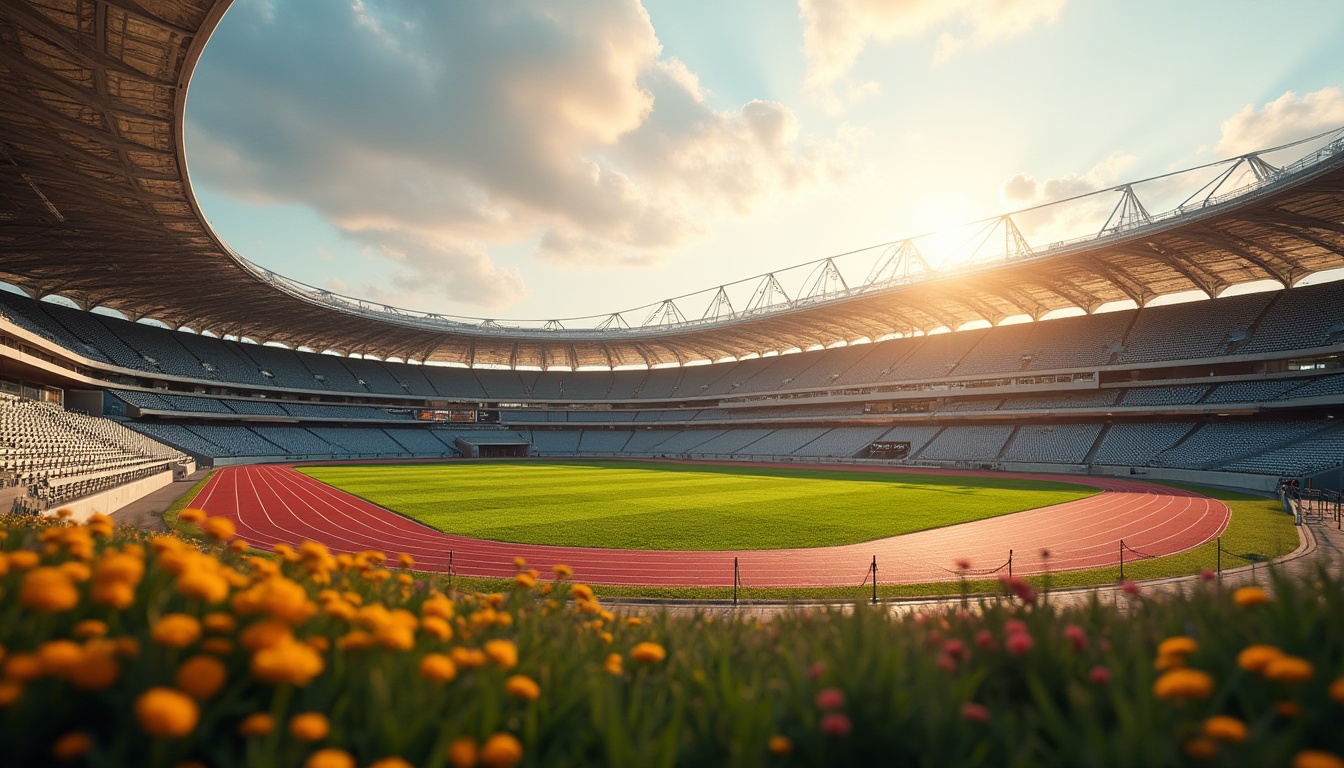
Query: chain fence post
[
  {"x": 736, "y": 578},
  {"x": 1122, "y": 561},
  {"x": 1220, "y": 559},
  {"x": 1010, "y": 563},
  {"x": 450, "y": 570},
  {"x": 874, "y": 579}
]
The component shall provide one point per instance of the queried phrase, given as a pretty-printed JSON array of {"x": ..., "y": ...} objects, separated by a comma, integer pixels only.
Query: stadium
[{"x": 1102, "y": 426}]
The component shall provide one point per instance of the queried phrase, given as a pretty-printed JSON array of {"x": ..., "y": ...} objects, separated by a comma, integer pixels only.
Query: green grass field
[{"x": 641, "y": 505}]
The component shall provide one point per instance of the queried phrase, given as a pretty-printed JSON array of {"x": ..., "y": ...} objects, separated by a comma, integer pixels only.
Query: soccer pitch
[{"x": 648, "y": 505}]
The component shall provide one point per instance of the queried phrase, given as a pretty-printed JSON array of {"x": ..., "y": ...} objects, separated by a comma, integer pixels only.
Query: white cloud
[
  {"x": 836, "y": 32},
  {"x": 433, "y": 131},
  {"x": 1280, "y": 121},
  {"x": 1061, "y": 222}
]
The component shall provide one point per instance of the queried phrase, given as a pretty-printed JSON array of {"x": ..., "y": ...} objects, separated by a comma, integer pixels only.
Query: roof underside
[{"x": 95, "y": 206}]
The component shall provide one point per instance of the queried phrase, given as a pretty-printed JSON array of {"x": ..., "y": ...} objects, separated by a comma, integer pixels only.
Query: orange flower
[
  {"x": 648, "y": 653},
  {"x": 779, "y": 745},
  {"x": 1255, "y": 658},
  {"x": 562, "y": 571},
  {"x": 201, "y": 676},
  {"x": 522, "y": 687},
  {"x": 49, "y": 590},
  {"x": 1224, "y": 728},
  {"x": 501, "y": 750},
  {"x": 437, "y": 668},
  {"x": 1289, "y": 669},
  {"x": 59, "y": 656},
  {"x": 72, "y": 746},
  {"x": 1183, "y": 684},
  {"x": 219, "y": 528},
  {"x": 613, "y": 664},
  {"x": 502, "y": 652},
  {"x": 1312, "y": 758},
  {"x": 1178, "y": 645},
  {"x": 462, "y": 753},
  {"x": 330, "y": 758},
  {"x": 288, "y": 661},
  {"x": 309, "y": 726},
  {"x": 97, "y": 668},
  {"x": 176, "y": 630},
  {"x": 1337, "y": 690},
  {"x": 1201, "y": 748},
  {"x": 390, "y": 762},
  {"x": 166, "y": 713},
  {"x": 258, "y": 724},
  {"x": 1248, "y": 596}
]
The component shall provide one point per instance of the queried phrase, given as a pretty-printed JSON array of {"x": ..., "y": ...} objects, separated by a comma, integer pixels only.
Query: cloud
[
  {"x": 431, "y": 132},
  {"x": 836, "y": 31},
  {"x": 1059, "y": 222},
  {"x": 1280, "y": 121}
]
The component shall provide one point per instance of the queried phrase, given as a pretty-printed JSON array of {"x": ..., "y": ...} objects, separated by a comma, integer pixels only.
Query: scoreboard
[{"x": 889, "y": 449}]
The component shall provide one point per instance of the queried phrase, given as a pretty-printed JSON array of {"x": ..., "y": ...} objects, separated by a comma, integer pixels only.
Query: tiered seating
[
  {"x": 1315, "y": 452},
  {"x": 454, "y": 382},
  {"x": 827, "y": 367},
  {"x": 730, "y": 441},
  {"x": 1302, "y": 318},
  {"x": 937, "y": 357},
  {"x": 360, "y": 440},
  {"x": 180, "y": 438},
  {"x": 917, "y": 437},
  {"x": 238, "y": 441},
  {"x": 1250, "y": 391},
  {"x": 1099, "y": 398},
  {"x": 1153, "y": 396},
  {"x": 28, "y": 314},
  {"x": 783, "y": 442},
  {"x": 159, "y": 344},
  {"x": 1320, "y": 387},
  {"x": 1213, "y": 445},
  {"x": 1066, "y": 443},
  {"x": 298, "y": 441},
  {"x": 650, "y": 441},
  {"x": 255, "y": 407},
  {"x": 841, "y": 442},
  {"x": 225, "y": 360},
  {"x": 60, "y": 456},
  {"x": 999, "y": 352},
  {"x": 690, "y": 440},
  {"x": 1077, "y": 342},
  {"x": 86, "y": 327},
  {"x": 1192, "y": 330},
  {"x": 972, "y": 404},
  {"x": 328, "y": 373},
  {"x": 555, "y": 442},
  {"x": 284, "y": 365},
  {"x": 420, "y": 441},
  {"x": 604, "y": 441},
  {"x": 967, "y": 444},
  {"x": 375, "y": 375},
  {"x": 1134, "y": 445}
]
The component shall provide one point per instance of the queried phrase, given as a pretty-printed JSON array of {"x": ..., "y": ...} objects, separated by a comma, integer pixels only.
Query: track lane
[{"x": 272, "y": 504}]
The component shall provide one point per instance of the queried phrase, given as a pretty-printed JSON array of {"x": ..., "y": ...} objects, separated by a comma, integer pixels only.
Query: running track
[{"x": 273, "y": 503}]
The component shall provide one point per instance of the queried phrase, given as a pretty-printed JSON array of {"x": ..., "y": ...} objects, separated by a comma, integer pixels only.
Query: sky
[{"x": 529, "y": 159}]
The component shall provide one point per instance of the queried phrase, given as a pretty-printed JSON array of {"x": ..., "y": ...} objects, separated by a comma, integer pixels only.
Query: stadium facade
[{"x": 95, "y": 207}]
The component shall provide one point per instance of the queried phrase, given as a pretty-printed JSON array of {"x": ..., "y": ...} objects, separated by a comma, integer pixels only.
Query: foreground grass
[
  {"x": 123, "y": 650},
  {"x": 1259, "y": 531},
  {"x": 638, "y": 505}
]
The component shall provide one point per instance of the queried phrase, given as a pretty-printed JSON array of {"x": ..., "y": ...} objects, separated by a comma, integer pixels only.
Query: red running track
[{"x": 273, "y": 503}]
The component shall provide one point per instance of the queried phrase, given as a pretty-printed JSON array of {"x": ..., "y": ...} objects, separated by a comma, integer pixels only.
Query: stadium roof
[{"x": 95, "y": 206}]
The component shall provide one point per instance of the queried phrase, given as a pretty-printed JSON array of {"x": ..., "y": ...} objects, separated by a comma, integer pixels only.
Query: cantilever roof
[{"x": 95, "y": 206}]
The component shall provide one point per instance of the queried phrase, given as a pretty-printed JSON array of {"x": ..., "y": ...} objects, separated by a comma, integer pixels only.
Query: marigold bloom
[
  {"x": 59, "y": 656},
  {"x": 176, "y": 630},
  {"x": 49, "y": 590},
  {"x": 202, "y": 584},
  {"x": 201, "y": 676},
  {"x": 1337, "y": 690},
  {"x": 437, "y": 668},
  {"x": 648, "y": 653},
  {"x": 501, "y": 750},
  {"x": 219, "y": 528},
  {"x": 390, "y": 762},
  {"x": 437, "y": 606},
  {"x": 265, "y": 634},
  {"x": 1313, "y": 758},
  {"x": 562, "y": 571},
  {"x": 462, "y": 753},
  {"x": 1248, "y": 596},
  {"x": 90, "y": 628},
  {"x": 1255, "y": 658},
  {"x": 355, "y": 640},
  {"x": 309, "y": 726},
  {"x": 1183, "y": 684},
  {"x": 581, "y": 592},
  {"x": 219, "y": 646},
  {"x": 22, "y": 560},
  {"x": 468, "y": 658},
  {"x": 504, "y": 653},
  {"x": 72, "y": 746},
  {"x": 219, "y": 623},
  {"x": 192, "y": 515},
  {"x": 330, "y": 758},
  {"x": 166, "y": 713},
  {"x": 613, "y": 664},
  {"x": 289, "y": 662},
  {"x": 524, "y": 581},
  {"x": 1201, "y": 748},
  {"x": 522, "y": 687},
  {"x": 258, "y": 724},
  {"x": 97, "y": 668},
  {"x": 10, "y": 692},
  {"x": 1289, "y": 669},
  {"x": 779, "y": 745},
  {"x": 1225, "y": 728},
  {"x": 1288, "y": 709},
  {"x": 1178, "y": 645},
  {"x": 436, "y": 627},
  {"x": 114, "y": 594}
]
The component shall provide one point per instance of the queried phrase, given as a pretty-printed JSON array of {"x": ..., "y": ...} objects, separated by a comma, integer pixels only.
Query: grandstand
[{"x": 1239, "y": 389}]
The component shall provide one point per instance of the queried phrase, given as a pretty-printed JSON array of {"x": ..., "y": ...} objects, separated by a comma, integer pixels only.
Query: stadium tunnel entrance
[{"x": 475, "y": 447}]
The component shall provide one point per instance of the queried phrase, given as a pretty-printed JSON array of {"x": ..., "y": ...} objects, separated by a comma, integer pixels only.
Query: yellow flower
[
  {"x": 562, "y": 571},
  {"x": 265, "y": 634},
  {"x": 1201, "y": 748},
  {"x": 59, "y": 656},
  {"x": 1312, "y": 758},
  {"x": 519, "y": 563},
  {"x": 203, "y": 584},
  {"x": 90, "y": 628},
  {"x": 22, "y": 560},
  {"x": 1179, "y": 645},
  {"x": 648, "y": 653},
  {"x": 501, "y": 750},
  {"x": 192, "y": 515},
  {"x": 219, "y": 623},
  {"x": 217, "y": 645},
  {"x": 1224, "y": 728},
  {"x": 1168, "y": 661},
  {"x": 432, "y": 625},
  {"x": 437, "y": 606},
  {"x": 49, "y": 590},
  {"x": 219, "y": 528},
  {"x": 468, "y": 658},
  {"x": 1248, "y": 596},
  {"x": 330, "y": 758},
  {"x": 288, "y": 661},
  {"x": 201, "y": 676},
  {"x": 259, "y": 724},
  {"x": 166, "y": 713},
  {"x": 398, "y": 637},
  {"x": 176, "y": 630},
  {"x": 22, "y": 667},
  {"x": 1255, "y": 658},
  {"x": 309, "y": 726},
  {"x": 613, "y": 664},
  {"x": 97, "y": 668},
  {"x": 114, "y": 594},
  {"x": 581, "y": 592},
  {"x": 524, "y": 581},
  {"x": 779, "y": 745},
  {"x": 72, "y": 746},
  {"x": 1183, "y": 684},
  {"x": 390, "y": 762},
  {"x": 522, "y": 687},
  {"x": 462, "y": 753},
  {"x": 437, "y": 668},
  {"x": 355, "y": 640},
  {"x": 1289, "y": 669},
  {"x": 405, "y": 561},
  {"x": 502, "y": 652}
]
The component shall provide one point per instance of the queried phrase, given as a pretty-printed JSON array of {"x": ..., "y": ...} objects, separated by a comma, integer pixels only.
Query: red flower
[
  {"x": 975, "y": 713},
  {"x": 815, "y": 669},
  {"x": 984, "y": 639},
  {"x": 836, "y": 724},
  {"x": 1076, "y": 637},
  {"x": 1019, "y": 644},
  {"x": 963, "y": 564},
  {"x": 1130, "y": 588},
  {"x": 947, "y": 663},
  {"x": 831, "y": 698},
  {"x": 1207, "y": 575},
  {"x": 956, "y": 650},
  {"x": 1099, "y": 675},
  {"x": 1013, "y": 626}
]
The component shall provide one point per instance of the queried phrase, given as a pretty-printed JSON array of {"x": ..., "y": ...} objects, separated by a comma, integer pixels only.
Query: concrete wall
[{"x": 111, "y": 500}]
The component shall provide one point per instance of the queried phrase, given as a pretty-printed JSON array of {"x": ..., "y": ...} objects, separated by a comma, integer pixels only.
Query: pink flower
[
  {"x": 984, "y": 639},
  {"x": 835, "y": 724},
  {"x": 1130, "y": 588},
  {"x": 1018, "y": 587},
  {"x": 815, "y": 669},
  {"x": 1099, "y": 675},
  {"x": 947, "y": 663},
  {"x": 963, "y": 564},
  {"x": 1076, "y": 636},
  {"x": 831, "y": 698},
  {"x": 935, "y": 637},
  {"x": 1207, "y": 575},
  {"x": 1013, "y": 626},
  {"x": 975, "y": 713},
  {"x": 956, "y": 649},
  {"x": 1019, "y": 644}
]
